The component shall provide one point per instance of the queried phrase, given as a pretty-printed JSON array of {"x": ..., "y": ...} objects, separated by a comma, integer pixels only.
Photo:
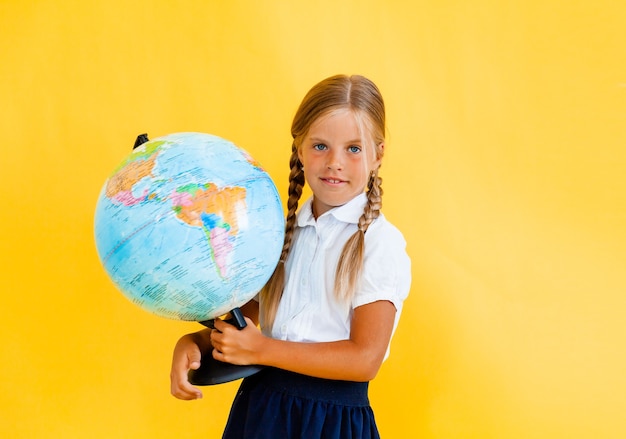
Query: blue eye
[
  {"x": 354, "y": 149},
  {"x": 319, "y": 147}
]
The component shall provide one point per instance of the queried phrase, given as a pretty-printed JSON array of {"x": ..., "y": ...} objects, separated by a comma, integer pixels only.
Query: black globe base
[{"x": 212, "y": 371}]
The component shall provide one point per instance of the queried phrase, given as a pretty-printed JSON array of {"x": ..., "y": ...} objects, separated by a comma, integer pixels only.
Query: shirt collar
[{"x": 347, "y": 213}]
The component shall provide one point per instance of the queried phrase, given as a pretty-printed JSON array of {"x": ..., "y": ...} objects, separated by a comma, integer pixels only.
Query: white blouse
[{"x": 308, "y": 310}]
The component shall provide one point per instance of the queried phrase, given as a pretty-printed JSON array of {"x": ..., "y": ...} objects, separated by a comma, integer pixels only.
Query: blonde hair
[{"x": 360, "y": 96}]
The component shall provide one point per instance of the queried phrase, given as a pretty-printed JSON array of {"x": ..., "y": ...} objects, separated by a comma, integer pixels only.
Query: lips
[{"x": 332, "y": 180}]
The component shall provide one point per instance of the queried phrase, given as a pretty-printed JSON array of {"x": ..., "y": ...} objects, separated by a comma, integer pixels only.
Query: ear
[
  {"x": 380, "y": 151},
  {"x": 300, "y": 155}
]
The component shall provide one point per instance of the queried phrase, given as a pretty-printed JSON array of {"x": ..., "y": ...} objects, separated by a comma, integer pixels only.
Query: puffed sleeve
[{"x": 386, "y": 267}]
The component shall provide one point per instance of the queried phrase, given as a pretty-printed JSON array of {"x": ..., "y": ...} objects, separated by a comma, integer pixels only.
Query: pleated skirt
[{"x": 277, "y": 404}]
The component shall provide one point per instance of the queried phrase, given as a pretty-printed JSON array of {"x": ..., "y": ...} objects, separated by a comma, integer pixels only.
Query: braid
[
  {"x": 374, "y": 201},
  {"x": 296, "y": 183},
  {"x": 350, "y": 265},
  {"x": 273, "y": 290}
]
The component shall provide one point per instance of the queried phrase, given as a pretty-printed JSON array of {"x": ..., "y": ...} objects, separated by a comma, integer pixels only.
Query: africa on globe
[{"x": 189, "y": 226}]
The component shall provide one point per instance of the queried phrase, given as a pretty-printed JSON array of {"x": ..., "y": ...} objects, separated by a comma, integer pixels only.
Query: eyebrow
[{"x": 351, "y": 142}]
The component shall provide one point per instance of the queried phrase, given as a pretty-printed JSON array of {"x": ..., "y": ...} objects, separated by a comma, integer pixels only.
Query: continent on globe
[
  {"x": 137, "y": 166},
  {"x": 217, "y": 211}
]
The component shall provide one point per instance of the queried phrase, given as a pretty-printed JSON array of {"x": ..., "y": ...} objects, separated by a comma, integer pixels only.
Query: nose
[{"x": 335, "y": 160}]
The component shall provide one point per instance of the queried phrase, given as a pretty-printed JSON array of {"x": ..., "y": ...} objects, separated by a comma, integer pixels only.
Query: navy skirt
[{"x": 277, "y": 404}]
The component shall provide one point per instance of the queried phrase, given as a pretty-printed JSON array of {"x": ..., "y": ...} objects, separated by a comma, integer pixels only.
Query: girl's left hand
[{"x": 236, "y": 346}]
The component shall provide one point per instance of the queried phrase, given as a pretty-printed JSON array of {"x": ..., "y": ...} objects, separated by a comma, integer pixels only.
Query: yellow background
[{"x": 504, "y": 169}]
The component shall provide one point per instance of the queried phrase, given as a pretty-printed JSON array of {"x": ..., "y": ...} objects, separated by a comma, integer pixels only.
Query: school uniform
[{"x": 275, "y": 403}]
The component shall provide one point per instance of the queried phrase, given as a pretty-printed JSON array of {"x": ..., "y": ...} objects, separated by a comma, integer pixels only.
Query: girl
[{"x": 329, "y": 311}]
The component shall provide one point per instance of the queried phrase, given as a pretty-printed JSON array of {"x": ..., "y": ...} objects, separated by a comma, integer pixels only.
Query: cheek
[
  {"x": 308, "y": 161},
  {"x": 308, "y": 172}
]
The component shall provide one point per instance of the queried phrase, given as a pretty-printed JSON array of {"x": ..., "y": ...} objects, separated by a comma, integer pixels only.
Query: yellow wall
[{"x": 505, "y": 170}]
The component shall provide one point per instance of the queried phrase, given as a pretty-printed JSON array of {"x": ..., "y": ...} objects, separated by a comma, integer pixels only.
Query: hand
[
  {"x": 235, "y": 346},
  {"x": 187, "y": 355}
]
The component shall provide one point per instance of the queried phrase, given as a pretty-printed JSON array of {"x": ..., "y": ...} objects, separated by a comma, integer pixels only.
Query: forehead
[{"x": 338, "y": 121}]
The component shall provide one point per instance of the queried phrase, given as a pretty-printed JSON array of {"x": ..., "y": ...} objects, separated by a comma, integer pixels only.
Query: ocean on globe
[{"x": 189, "y": 226}]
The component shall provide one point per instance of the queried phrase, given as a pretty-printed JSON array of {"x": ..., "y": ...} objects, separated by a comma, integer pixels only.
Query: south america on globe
[{"x": 189, "y": 226}]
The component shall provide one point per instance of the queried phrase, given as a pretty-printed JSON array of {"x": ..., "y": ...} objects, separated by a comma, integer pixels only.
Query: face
[{"x": 336, "y": 163}]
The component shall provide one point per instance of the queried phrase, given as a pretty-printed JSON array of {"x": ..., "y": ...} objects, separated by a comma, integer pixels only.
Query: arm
[
  {"x": 356, "y": 359},
  {"x": 188, "y": 353}
]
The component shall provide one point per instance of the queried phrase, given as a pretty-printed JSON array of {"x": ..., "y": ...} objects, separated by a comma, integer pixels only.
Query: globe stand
[
  {"x": 141, "y": 139},
  {"x": 212, "y": 371}
]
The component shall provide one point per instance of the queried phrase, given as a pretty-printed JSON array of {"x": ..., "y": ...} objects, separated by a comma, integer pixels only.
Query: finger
[
  {"x": 186, "y": 395},
  {"x": 181, "y": 388},
  {"x": 216, "y": 337},
  {"x": 193, "y": 359},
  {"x": 221, "y": 325},
  {"x": 219, "y": 356}
]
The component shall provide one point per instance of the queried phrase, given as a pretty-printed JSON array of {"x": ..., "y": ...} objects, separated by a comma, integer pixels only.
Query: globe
[{"x": 189, "y": 226}]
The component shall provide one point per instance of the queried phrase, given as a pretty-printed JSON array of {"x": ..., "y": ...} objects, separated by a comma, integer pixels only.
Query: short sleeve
[{"x": 386, "y": 267}]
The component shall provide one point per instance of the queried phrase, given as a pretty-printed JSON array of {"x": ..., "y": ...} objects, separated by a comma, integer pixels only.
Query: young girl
[{"x": 329, "y": 311}]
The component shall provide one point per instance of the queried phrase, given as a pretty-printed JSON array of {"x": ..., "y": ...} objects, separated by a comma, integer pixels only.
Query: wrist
[
  {"x": 202, "y": 339},
  {"x": 265, "y": 355}
]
